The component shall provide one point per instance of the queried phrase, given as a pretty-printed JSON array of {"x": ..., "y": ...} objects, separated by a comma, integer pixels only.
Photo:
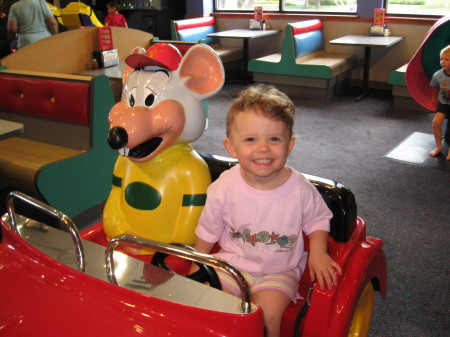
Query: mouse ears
[{"x": 203, "y": 70}]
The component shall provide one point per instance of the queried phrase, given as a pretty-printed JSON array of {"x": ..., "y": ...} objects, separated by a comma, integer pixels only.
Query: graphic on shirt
[{"x": 284, "y": 241}]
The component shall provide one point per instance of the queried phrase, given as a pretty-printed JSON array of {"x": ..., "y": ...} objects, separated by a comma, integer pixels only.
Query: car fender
[{"x": 331, "y": 311}]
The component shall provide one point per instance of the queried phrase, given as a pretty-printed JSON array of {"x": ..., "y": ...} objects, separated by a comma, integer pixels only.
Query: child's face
[
  {"x": 262, "y": 146},
  {"x": 111, "y": 10},
  {"x": 445, "y": 62}
]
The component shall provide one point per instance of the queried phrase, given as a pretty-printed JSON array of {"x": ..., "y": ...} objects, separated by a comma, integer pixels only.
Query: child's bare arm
[
  {"x": 321, "y": 266},
  {"x": 434, "y": 99},
  {"x": 201, "y": 246}
]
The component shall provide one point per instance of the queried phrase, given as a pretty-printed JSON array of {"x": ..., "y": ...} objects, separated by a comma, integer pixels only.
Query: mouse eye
[
  {"x": 149, "y": 100},
  {"x": 132, "y": 97}
]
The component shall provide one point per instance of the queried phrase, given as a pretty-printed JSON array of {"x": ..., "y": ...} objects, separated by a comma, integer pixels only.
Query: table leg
[
  {"x": 366, "y": 70},
  {"x": 245, "y": 56}
]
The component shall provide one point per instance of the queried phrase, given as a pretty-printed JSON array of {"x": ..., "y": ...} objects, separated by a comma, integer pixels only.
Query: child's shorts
[
  {"x": 286, "y": 282},
  {"x": 443, "y": 108}
]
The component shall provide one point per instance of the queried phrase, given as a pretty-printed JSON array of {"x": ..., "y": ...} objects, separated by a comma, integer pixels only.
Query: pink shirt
[{"x": 261, "y": 232}]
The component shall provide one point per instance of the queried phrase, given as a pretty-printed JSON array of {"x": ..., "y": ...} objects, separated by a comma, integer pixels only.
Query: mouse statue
[{"x": 159, "y": 181}]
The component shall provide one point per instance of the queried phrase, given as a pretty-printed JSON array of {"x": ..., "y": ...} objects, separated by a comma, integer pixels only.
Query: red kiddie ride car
[{"x": 57, "y": 282}]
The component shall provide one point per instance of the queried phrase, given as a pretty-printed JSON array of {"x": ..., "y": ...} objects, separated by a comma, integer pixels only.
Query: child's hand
[
  {"x": 323, "y": 268},
  {"x": 321, "y": 265}
]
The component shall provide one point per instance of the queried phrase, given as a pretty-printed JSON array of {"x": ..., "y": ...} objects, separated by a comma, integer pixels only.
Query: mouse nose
[{"x": 117, "y": 138}]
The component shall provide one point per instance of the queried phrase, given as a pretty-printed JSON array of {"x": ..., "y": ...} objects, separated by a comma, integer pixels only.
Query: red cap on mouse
[{"x": 162, "y": 55}]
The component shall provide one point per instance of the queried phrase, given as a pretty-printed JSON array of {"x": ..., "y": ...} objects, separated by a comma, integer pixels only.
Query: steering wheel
[{"x": 204, "y": 274}]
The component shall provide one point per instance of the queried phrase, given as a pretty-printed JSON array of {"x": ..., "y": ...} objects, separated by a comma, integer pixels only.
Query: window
[
  {"x": 329, "y": 6},
  {"x": 418, "y": 7}
]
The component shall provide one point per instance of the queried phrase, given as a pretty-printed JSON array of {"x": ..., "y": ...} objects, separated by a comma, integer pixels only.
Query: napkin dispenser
[
  {"x": 106, "y": 58},
  {"x": 255, "y": 24},
  {"x": 379, "y": 30}
]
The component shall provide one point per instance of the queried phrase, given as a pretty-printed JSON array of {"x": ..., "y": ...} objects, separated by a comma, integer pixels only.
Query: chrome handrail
[
  {"x": 182, "y": 252},
  {"x": 64, "y": 219}
]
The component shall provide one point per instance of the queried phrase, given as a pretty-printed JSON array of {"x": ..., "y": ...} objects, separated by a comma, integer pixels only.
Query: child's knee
[
  {"x": 436, "y": 123},
  {"x": 273, "y": 304}
]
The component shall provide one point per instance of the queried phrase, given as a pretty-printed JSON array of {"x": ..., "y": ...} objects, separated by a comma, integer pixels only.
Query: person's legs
[
  {"x": 273, "y": 304},
  {"x": 273, "y": 292},
  {"x": 447, "y": 137},
  {"x": 437, "y": 131},
  {"x": 447, "y": 132}
]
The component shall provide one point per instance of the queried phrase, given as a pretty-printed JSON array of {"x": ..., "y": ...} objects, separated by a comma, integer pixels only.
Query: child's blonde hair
[
  {"x": 266, "y": 100},
  {"x": 445, "y": 50}
]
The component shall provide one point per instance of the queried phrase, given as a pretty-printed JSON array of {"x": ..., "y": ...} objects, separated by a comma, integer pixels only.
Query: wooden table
[
  {"x": 9, "y": 129},
  {"x": 246, "y": 35},
  {"x": 367, "y": 42},
  {"x": 114, "y": 74}
]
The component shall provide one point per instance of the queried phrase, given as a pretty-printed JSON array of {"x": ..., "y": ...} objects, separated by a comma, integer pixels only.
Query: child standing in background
[
  {"x": 441, "y": 84},
  {"x": 258, "y": 210},
  {"x": 114, "y": 18}
]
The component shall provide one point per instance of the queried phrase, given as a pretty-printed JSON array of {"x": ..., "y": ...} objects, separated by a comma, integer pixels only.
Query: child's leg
[
  {"x": 437, "y": 130},
  {"x": 273, "y": 292},
  {"x": 447, "y": 136},
  {"x": 273, "y": 304},
  {"x": 447, "y": 132}
]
